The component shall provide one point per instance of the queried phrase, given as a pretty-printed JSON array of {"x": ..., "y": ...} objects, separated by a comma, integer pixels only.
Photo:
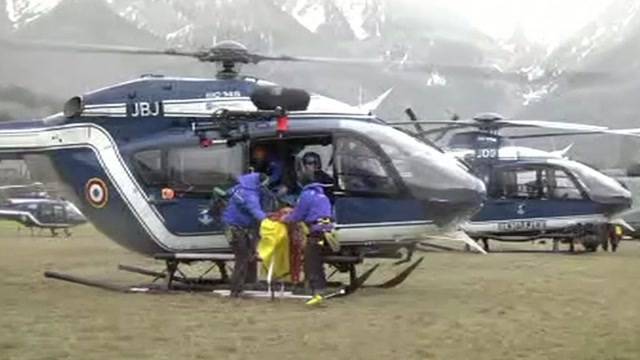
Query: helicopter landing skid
[
  {"x": 398, "y": 279},
  {"x": 173, "y": 280}
]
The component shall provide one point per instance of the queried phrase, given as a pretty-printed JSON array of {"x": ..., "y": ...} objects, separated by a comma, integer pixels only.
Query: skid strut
[{"x": 174, "y": 280}]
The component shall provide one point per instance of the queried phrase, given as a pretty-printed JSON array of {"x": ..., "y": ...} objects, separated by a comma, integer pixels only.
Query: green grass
[{"x": 456, "y": 306}]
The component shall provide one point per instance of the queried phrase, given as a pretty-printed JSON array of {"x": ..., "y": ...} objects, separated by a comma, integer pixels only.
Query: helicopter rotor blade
[
  {"x": 462, "y": 123},
  {"x": 472, "y": 71},
  {"x": 573, "y": 78},
  {"x": 93, "y": 48},
  {"x": 503, "y": 123},
  {"x": 240, "y": 54},
  {"x": 533, "y": 136},
  {"x": 557, "y": 125}
]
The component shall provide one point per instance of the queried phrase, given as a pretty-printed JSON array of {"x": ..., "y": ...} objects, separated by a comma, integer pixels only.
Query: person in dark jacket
[
  {"x": 312, "y": 162},
  {"x": 314, "y": 209},
  {"x": 267, "y": 162},
  {"x": 242, "y": 218}
]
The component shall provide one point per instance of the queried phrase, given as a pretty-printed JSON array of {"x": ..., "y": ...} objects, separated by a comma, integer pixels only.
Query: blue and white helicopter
[
  {"x": 532, "y": 193},
  {"x": 122, "y": 147},
  {"x": 31, "y": 206}
]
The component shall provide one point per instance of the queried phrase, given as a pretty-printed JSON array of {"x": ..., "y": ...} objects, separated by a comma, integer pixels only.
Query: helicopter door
[
  {"x": 59, "y": 214},
  {"x": 192, "y": 172},
  {"x": 367, "y": 192},
  {"x": 45, "y": 213},
  {"x": 534, "y": 193}
]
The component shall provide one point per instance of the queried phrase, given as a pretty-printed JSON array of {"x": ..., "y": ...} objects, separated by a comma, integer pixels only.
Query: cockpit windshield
[
  {"x": 418, "y": 164},
  {"x": 72, "y": 212},
  {"x": 598, "y": 185}
]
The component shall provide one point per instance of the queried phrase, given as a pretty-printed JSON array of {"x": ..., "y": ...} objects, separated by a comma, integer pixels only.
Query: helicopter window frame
[
  {"x": 569, "y": 193},
  {"x": 538, "y": 188},
  {"x": 295, "y": 146},
  {"x": 172, "y": 171},
  {"x": 220, "y": 173},
  {"x": 150, "y": 175},
  {"x": 45, "y": 213},
  {"x": 397, "y": 186},
  {"x": 59, "y": 213}
]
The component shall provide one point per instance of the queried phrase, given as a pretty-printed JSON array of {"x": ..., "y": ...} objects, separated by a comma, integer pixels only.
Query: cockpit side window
[
  {"x": 533, "y": 183},
  {"x": 59, "y": 213},
  {"x": 148, "y": 165},
  {"x": 359, "y": 168},
  {"x": 561, "y": 186},
  {"x": 189, "y": 169},
  {"x": 518, "y": 183},
  {"x": 196, "y": 169}
]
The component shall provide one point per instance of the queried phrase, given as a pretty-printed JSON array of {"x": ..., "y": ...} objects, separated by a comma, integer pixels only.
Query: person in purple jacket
[
  {"x": 242, "y": 218},
  {"x": 314, "y": 209}
]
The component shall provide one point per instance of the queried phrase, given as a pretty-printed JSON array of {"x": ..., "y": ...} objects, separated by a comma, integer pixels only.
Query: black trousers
[
  {"x": 243, "y": 243},
  {"x": 313, "y": 264}
]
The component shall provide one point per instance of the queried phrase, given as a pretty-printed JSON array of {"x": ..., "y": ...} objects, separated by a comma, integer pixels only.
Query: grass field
[{"x": 456, "y": 306}]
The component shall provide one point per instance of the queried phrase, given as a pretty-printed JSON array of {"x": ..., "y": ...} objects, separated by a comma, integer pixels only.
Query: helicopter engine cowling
[{"x": 271, "y": 97}]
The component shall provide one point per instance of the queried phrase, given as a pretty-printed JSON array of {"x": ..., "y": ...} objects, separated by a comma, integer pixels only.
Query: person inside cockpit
[
  {"x": 265, "y": 161},
  {"x": 312, "y": 163}
]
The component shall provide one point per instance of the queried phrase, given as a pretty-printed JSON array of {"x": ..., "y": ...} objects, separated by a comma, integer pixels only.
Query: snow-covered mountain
[
  {"x": 609, "y": 42},
  {"x": 606, "y": 55},
  {"x": 21, "y": 12},
  {"x": 179, "y": 20},
  {"x": 619, "y": 23},
  {"x": 360, "y": 19}
]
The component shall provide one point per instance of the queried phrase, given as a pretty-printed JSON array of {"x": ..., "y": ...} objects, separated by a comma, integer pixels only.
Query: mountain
[
  {"x": 610, "y": 46},
  {"x": 259, "y": 24},
  {"x": 5, "y": 24},
  {"x": 360, "y": 19},
  {"x": 357, "y": 28},
  {"x": 79, "y": 21},
  {"x": 21, "y": 12}
]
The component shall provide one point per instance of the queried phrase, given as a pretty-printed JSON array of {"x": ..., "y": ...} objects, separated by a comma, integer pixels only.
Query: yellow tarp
[{"x": 274, "y": 247}]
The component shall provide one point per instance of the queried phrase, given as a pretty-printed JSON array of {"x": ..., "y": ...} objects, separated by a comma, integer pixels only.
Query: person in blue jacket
[
  {"x": 314, "y": 209},
  {"x": 242, "y": 218},
  {"x": 265, "y": 161}
]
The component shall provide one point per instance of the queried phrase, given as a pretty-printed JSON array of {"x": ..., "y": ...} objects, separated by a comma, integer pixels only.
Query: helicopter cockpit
[{"x": 556, "y": 179}]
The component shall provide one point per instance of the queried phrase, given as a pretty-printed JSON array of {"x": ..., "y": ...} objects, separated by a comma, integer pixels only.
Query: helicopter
[
  {"x": 533, "y": 194},
  {"x": 31, "y": 206},
  {"x": 51, "y": 214},
  {"x": 121, "y": 147}
]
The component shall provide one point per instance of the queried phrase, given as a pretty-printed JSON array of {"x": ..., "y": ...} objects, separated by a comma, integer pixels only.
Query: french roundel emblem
[{"x": 96, "y": 192}]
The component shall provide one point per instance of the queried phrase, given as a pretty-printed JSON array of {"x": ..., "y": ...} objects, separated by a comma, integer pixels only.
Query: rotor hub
[{"x": 487, "y": 118}]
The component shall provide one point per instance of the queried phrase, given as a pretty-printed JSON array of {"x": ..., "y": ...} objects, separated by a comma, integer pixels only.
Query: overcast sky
[{"x": 545, "y": 21}]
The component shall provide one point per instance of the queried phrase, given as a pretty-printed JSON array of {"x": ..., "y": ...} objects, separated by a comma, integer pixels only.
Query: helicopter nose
[
  {"x": 457, "y": 203},
  {"x": 450, "y": 193},
  {"x": 616, "y": 203}
]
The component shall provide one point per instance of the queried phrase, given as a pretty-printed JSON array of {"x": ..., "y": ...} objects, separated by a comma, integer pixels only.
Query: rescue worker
[
  {"x": 312, "y": 162},
  {"x": 242, "y": 218},
  {"x": 266, "y": 162},
  {"x": 314, "y": 210}
]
